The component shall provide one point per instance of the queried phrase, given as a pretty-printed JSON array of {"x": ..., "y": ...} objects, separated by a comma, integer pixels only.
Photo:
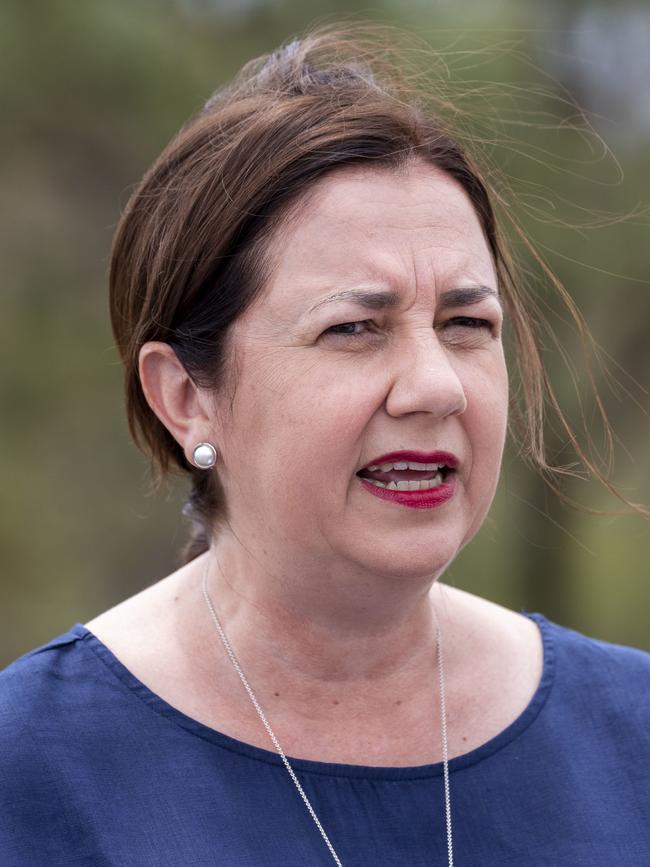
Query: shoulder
[
  {"x": 39, "y": 688},
  {"x": 56, "y": 700},
  {"x": 603, "y": 683},
  {"x": 39, "y": 702},
  {"x": 603, "y": 660},
  {"x": 38, "y": 670}
]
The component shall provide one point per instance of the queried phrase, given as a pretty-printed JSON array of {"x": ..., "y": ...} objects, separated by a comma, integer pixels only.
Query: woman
[{"x": 308, "y": 290}]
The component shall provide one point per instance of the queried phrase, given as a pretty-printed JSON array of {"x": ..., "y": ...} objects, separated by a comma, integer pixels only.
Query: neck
[
  {"x": 328, "y": 628},
  {"x": 349, "y": 677}
]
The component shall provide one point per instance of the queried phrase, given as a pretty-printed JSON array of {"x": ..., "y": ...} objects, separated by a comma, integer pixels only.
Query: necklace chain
[{"x": 285, "y": 760}]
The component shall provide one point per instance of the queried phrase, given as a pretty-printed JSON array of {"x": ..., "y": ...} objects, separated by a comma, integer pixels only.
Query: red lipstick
[
  {"x": 426, "y": 499},
  {"x": 418, "y": 457}
]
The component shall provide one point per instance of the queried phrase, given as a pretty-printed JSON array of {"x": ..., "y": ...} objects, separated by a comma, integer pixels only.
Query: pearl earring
[{"x": 204, "y": 456}]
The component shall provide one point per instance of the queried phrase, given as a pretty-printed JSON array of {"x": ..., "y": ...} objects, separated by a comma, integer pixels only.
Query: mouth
[{"x": 410, "y": 471}]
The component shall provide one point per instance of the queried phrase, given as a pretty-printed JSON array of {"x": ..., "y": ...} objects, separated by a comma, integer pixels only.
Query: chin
[{"x": 413, "y": 563}]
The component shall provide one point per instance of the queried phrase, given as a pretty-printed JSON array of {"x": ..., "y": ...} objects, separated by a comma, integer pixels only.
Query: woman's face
[{"x": 326, "y": 384}]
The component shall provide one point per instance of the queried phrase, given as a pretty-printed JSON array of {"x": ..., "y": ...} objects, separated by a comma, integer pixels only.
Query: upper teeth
[{"x": 403, "y": 465}]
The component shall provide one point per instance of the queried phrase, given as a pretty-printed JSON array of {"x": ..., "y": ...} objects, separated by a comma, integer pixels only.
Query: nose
[{"x": 424, "y": 379}]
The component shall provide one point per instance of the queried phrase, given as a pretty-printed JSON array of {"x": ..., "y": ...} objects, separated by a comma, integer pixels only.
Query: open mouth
[{"x": 406, "y": 475}]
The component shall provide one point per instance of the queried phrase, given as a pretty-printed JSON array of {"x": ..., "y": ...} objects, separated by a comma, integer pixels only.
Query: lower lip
[{"x": 415, "y": 499}]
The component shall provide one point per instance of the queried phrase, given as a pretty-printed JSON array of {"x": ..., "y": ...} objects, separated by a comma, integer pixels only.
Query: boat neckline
[{"x": 233, "y": 745}]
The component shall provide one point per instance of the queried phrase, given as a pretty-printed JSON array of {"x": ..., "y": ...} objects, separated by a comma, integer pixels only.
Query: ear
[{"x": 178, "y": 402}]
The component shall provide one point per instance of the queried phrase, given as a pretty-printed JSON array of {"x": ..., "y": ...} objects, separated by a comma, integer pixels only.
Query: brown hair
[{"x": 191, "y": 251}]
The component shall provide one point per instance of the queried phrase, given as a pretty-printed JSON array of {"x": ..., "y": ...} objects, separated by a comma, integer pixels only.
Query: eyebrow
[{"x": 388, "y": 300}]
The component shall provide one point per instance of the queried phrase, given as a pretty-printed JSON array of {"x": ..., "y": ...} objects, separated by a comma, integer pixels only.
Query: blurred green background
[{"x": 93, "y": 90}]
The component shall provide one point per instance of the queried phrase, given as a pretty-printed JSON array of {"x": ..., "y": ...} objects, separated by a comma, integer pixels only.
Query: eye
[
  {"x": 470, "y": 322},
  {"x": 348, "y": 329},
  {"x": 468, "y": 332}
]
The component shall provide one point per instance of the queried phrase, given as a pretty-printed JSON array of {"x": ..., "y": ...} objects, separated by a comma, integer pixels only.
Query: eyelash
[{"x": 476, "y": 323}]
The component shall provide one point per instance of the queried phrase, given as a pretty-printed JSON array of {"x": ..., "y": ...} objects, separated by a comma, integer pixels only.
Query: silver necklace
[{"x": 285, "y": 760}]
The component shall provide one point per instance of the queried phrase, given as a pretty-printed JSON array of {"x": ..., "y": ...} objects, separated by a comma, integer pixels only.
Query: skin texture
[
  {"x": 312, "y": 408},
  {"x": 329, "y": 594}
]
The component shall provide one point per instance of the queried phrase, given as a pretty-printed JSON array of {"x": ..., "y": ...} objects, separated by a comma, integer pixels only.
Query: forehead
[{"x": 411, "y": 227}]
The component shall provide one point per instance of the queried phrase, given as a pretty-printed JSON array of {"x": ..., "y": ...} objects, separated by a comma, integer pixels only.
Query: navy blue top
[{"x": 95, "y": 769}]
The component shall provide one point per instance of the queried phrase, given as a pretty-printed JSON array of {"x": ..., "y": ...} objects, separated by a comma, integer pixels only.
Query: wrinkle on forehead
[{"x": 409, "y": 229}]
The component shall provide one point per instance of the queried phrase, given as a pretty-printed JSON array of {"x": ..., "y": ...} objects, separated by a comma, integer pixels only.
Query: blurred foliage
[{"x": 93, "y": 91}]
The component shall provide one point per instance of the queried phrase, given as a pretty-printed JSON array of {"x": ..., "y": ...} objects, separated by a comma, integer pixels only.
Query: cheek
[
  {"x": 300, "y": 419},
  {"x": 316, "y": 394},
  {"x": 324, "y": 427},
  {"x": 486, "y": 425},
  {"x": 487, "y": 421}
]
